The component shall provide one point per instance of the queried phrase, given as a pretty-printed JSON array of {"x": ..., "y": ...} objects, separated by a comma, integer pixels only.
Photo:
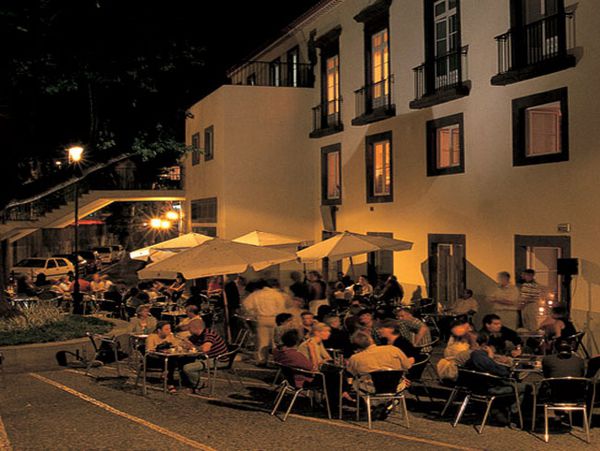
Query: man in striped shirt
[
  {"x": 206, "y": 341},
  {"x": 531, "y": 294}
]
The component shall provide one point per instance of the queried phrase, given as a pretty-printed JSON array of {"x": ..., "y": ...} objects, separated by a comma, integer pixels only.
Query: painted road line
[
  {"x": 4, "y": 442},
  {"x": 174, "y": 435},
  {"x": 339, "y": 424}
]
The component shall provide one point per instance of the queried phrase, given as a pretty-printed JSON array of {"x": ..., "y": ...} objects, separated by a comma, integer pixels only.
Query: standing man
[
  {"x": 531, "y": 293},
  {"x": 504, "y": 299},
  {"x": 298, "y": 288},
  {"x": 264, "y": 304}
]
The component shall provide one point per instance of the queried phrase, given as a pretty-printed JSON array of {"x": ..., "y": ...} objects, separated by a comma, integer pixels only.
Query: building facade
[{"x": 464, "y": 126}]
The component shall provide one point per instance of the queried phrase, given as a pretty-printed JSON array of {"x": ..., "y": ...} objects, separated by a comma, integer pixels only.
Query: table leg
[
  {"x": 341, "y": 392},
  {"x": 144, "y": 365},
  {"x": 166, "y": 372}
]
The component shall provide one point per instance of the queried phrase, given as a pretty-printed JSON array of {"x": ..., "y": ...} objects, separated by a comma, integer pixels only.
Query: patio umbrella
[
  {"x": 259, "y": 238},
  {"x": 177, "y": 244},
  {"x": 215, "y": 257},
  {"x": 348, "y": 244}
]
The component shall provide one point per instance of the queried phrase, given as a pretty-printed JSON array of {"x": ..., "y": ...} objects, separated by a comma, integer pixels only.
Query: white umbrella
[
  {"x": 215, "y": 257},
  {"x": 259, "y": 238},
  {"x": 348, "y": 244},
  {"x": 177, "y": 244}
]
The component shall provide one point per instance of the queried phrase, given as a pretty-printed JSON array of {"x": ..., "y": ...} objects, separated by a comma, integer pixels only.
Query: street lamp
[
  {"x": 155, "y": 223},
  {"x": 172, "y": 215},
  {"x": 75, "y": 154},
  {"x": 165, "y": 225}
]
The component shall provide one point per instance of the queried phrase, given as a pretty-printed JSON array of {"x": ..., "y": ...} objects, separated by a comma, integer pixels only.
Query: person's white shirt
[{"x": 265, "y": 302}]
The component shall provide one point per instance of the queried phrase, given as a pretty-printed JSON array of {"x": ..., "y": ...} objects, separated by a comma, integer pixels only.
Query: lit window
[
  {"x": 333, "y": 175},
  {"x": 380, "y": 66},
  {"x": 381, "y": 168},
  {"x": 543, "y": 129},
  {"x": 333, "y": 85},
  {"x": 448, "y": 146}
]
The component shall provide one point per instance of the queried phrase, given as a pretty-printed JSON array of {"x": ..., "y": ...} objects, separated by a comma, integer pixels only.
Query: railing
[
  {"x": 107, "y": 176},
  {"x": 536, "y": 42},
  {"x": 261, "y": 73},
  {"x": 375, "y": 96},
  {"x": 446, "y": 71},
  {"x": 327, "y": 115}
]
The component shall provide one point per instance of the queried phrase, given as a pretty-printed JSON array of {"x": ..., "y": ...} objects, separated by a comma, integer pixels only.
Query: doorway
[{"x": 447, "y": 267}]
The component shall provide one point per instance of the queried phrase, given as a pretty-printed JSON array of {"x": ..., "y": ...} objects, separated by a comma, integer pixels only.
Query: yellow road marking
[
  {"x": 4, "y": 442},
  {"x": 339, "y": 423},
  {"x": 174, "y": 435}
]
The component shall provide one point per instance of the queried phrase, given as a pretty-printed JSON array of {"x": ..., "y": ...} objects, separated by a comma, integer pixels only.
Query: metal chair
[
  {"x": 385, "y": 383},
  {"x": 427, "y": 349},
  {"x": 568, "y": 394},
  {"x": 415, "y": 376},
  {"x": 576, "y": 341},
  {"x": 225, "y": 362},
  {"x": 288, "y": 386},
  {"x": 112, "y": 345},
  {"x": 475, "y": 385}
]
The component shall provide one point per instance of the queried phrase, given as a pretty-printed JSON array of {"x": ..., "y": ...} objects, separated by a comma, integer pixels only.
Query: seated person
[
  {"x": 215, "y": 286},
  {"x": 175, "y": 290},
  {"x": 371, "y": 357},
  {"x": 162, "y": 339},
  {"x": 205, "y": 340},
  {"x": 283, "y": 323},
  {"x": 413, "y": 329},
  {"x": 84, "y": 286},
  {"x": 557, "y": 325},
  {"x": 182, "y": 328},
  {"x": 308, "y": 320},
  {"x": 458, "y": 350},
  {"x": 392, "y": 291},
  {"x": 361, "y": 288},
  {"x": 339, "y": 338},
  {"x": 143, "y": 323},
  {"x": 41, "y": 281},
  {"x": 565, "y": 363},
  {"x": 289, "y": 355},
  {"x": 366, "y": 324},
  {"x": 504, "y": 340},
  {"x": 313, "y": 348},
  {"x": 25, "y": 287},
  {"x": 464, "y": 305},
  {"x": 98, "y": 285},
  {"x": 351, "y": 320},
  {"x": 61, "y": 285},
  {"x": 136, "y": 297},
  {"x": 195, "y": 298},
  {"x": 323, "y": 311},
  {"x": 484, "y": 360},
  {"x": 390, "y": 332}
]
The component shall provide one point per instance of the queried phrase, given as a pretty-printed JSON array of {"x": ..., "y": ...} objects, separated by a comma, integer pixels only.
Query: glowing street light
[
  {"x": 165, "y": 225},
  {"x": 75, "y": 154},
  {"x": 172, "y": 215},
  {"x": 155, "y": 223}
]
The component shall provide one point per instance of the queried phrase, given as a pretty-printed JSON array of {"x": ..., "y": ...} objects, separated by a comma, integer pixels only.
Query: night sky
[{"x": 106, "y": 73}]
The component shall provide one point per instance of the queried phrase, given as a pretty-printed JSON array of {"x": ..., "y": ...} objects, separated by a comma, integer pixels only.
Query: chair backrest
[
  {"x": 386, "y": 381},
  {"x": 429, "y": 345},
  {"x": 416, "y": 371},
  {"x": 229, "y": 357},
  {"x": 240, "y": 339},
  {"x": 288, "y": 374},
  {"x": 93, "y": 341},
  {"x": 478, "y": 382},
  {"x": 566, "y": 390}
]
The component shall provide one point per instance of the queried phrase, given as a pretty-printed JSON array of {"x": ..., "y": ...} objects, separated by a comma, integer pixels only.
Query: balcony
[
  {"x": 261, "y": 73},
  {"x": 536, "y": 49},
  {"x": 327, "y": 119},
  {"x": 374, "y": 102},
  {"x": 442, "y": 79}
]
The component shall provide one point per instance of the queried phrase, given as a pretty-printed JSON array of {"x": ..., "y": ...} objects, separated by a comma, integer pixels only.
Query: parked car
[
  {"x": 93, "y": 259},
  {"x": 51, "y": 267},
  {"x": 83, "y": 263},
  {"x": 105, "y": 253},
  {"x": 118, "y": 251}
]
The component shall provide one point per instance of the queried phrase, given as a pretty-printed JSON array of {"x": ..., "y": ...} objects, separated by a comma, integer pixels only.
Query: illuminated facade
[{"x": 467, "y": 127}]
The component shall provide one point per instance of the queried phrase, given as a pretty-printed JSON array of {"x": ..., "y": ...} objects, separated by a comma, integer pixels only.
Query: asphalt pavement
[{"x": 68, "y": 410}]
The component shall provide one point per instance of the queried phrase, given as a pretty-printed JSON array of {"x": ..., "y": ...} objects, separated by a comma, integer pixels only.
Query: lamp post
[{"x": 75, "y": 156}]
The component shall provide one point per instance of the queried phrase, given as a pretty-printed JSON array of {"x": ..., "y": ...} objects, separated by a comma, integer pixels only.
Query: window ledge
[
  {"x": 442, "y": 96},
  {"x": 534, "y": 70},
  {"x": 378, "y": 114},
  {"x": 326, "y": 131}
]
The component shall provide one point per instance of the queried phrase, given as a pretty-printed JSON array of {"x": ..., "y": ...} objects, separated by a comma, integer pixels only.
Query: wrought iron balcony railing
[
  {"x": 262, "y": 73},
  {"x": 327, "y": 116},
  {"x": 375, "y": 96},
  {"x": 444, "y": 72},
  {"x": 546, "y": 39}
]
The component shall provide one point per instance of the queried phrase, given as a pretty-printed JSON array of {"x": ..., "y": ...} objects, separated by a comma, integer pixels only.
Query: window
[
  {"x": 251, "y": 79},
  {"x": 540, "y": 128},
  {"x": 445, "y": 146},
  {"x": 275, "y": 72},
  {"x": 293, "y": 60},
  {"x": 380, "y": 68},
  {"x": 51, "y": 264},
  {"x": 205, "y": 230},
  {"x": 204, "y": 210},
  {"x": 209, "y": 143},
  {"x": 61, "y": 263},
  {"x": 379, "y": 168},
  {"x": 447, "y": 39},
  {"x": 332, "y": 101},
  {"x": 195, "y": 149},
  {"x": 331, "y": 179}
]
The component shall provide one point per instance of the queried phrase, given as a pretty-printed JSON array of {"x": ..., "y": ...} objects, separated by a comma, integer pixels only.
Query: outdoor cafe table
[
  {"x": 166, "y": 355},
  {"x": 173, "y": 316}
]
